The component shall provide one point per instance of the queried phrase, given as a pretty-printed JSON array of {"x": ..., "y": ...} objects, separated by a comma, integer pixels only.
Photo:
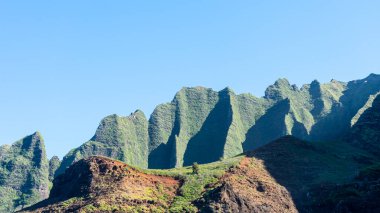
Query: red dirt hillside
[
  {"x": 248, "y": 187},
  {"x": 100, "y": 184}
]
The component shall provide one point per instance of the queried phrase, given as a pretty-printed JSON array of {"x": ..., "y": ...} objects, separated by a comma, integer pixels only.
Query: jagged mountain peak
[
  {"x": 196, "y": 88},
  {"x": 334, "y": 81},
  {"x": 373, "y": 76},
  {"x": 282, "y": 82},
  {"x": 138, "y": 112},
  {"x": 228, "y": 90},
  {"x": 315, "y": 89},
  {"x": 116, "y": 116},
  {"x": 115, "y": 119},
  {"x": 315, "y": 83},
  {"x": 193, "y": 93},
  {"x": 37, "y": 135},
  {"x": 196, "y": 92},
  {"x": 31, "y": 142},
  {"x": 280, "y": 90},
  {"x": 23, "y": 173}
]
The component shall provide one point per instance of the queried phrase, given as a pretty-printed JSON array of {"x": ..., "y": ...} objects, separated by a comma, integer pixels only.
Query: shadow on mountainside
[
  {"x": 365, "y": 134},
  {"x": 287, "y": 162},
  {"x": 156, "y": 159},
  {"x": 305, "y": 168},
  {"x": 208, "y": 144},
  {"x": 330, "y": 127},
  {"x": 269, "y": 127},
  {"x": 353, "y": 98}
]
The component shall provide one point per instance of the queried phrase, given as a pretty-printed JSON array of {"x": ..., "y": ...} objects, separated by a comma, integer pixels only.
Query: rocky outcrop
[{"x": 24, "y": 172}]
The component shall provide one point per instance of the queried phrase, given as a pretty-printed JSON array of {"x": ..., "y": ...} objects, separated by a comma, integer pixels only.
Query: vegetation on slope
[
  {"x": 189, "y": 110},
  {"x": 199, "y": 119},
  {"x": 366, "y": 131},
  {"x": 105, "y": 185},
  {"x": 122, "y": 138},
  {"x": 100, "y": 184},
  {"x": 195, "y": 185},
  {"x": 246, "y": 187},
  {"x": 287, "y": 175},
  {"x": 23, "y": 173},
  {"x": 305, "y": 169},
  {"x": 54, "y": 164}
]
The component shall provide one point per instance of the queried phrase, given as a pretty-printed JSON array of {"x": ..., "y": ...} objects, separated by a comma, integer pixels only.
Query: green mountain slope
[
  {"x": 201, "y": 120},
  {"x": 286, "y": 175},
  {"x": 202, "y": 125},
  {"x": 185, "y": 114},
  {"x": 365, "y": 132},
  {"x": 304, "y": 168},
  {"x": 122, "y": 138},
  {"x": 340, "y": 164},
  {"x": 54, "y": 164},
  {"x": 24, "y": 173}
]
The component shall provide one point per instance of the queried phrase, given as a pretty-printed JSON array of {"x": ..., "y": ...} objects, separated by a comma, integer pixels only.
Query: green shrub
[{"x": 195, "y": 168}]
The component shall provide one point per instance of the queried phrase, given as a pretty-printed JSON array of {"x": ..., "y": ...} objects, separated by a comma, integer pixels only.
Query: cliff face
[
  {"x": 201, "y": 120},
  {"x": 23, "y": 173},
  {"x": 202, "y": 125}
]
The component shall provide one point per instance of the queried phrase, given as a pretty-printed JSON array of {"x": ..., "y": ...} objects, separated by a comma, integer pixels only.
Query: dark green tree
[{"x": 195, "y": 168}]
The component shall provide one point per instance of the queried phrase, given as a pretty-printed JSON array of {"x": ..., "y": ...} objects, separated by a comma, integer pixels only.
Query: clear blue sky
[{"x": 64, "y": 65}]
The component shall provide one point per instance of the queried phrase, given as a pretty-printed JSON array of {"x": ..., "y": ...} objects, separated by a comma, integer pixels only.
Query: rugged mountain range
[
  {"x": 199, "y": 119},
  {"x": 339, "y": 120},
  {"x": 286, "y": 175}
]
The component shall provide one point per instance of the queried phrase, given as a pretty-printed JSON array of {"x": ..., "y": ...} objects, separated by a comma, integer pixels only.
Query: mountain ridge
[
  {"x": 233, "y": 123},
  {"x": 285, "y": 175},
  {"x": 204, "y": 126}
]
